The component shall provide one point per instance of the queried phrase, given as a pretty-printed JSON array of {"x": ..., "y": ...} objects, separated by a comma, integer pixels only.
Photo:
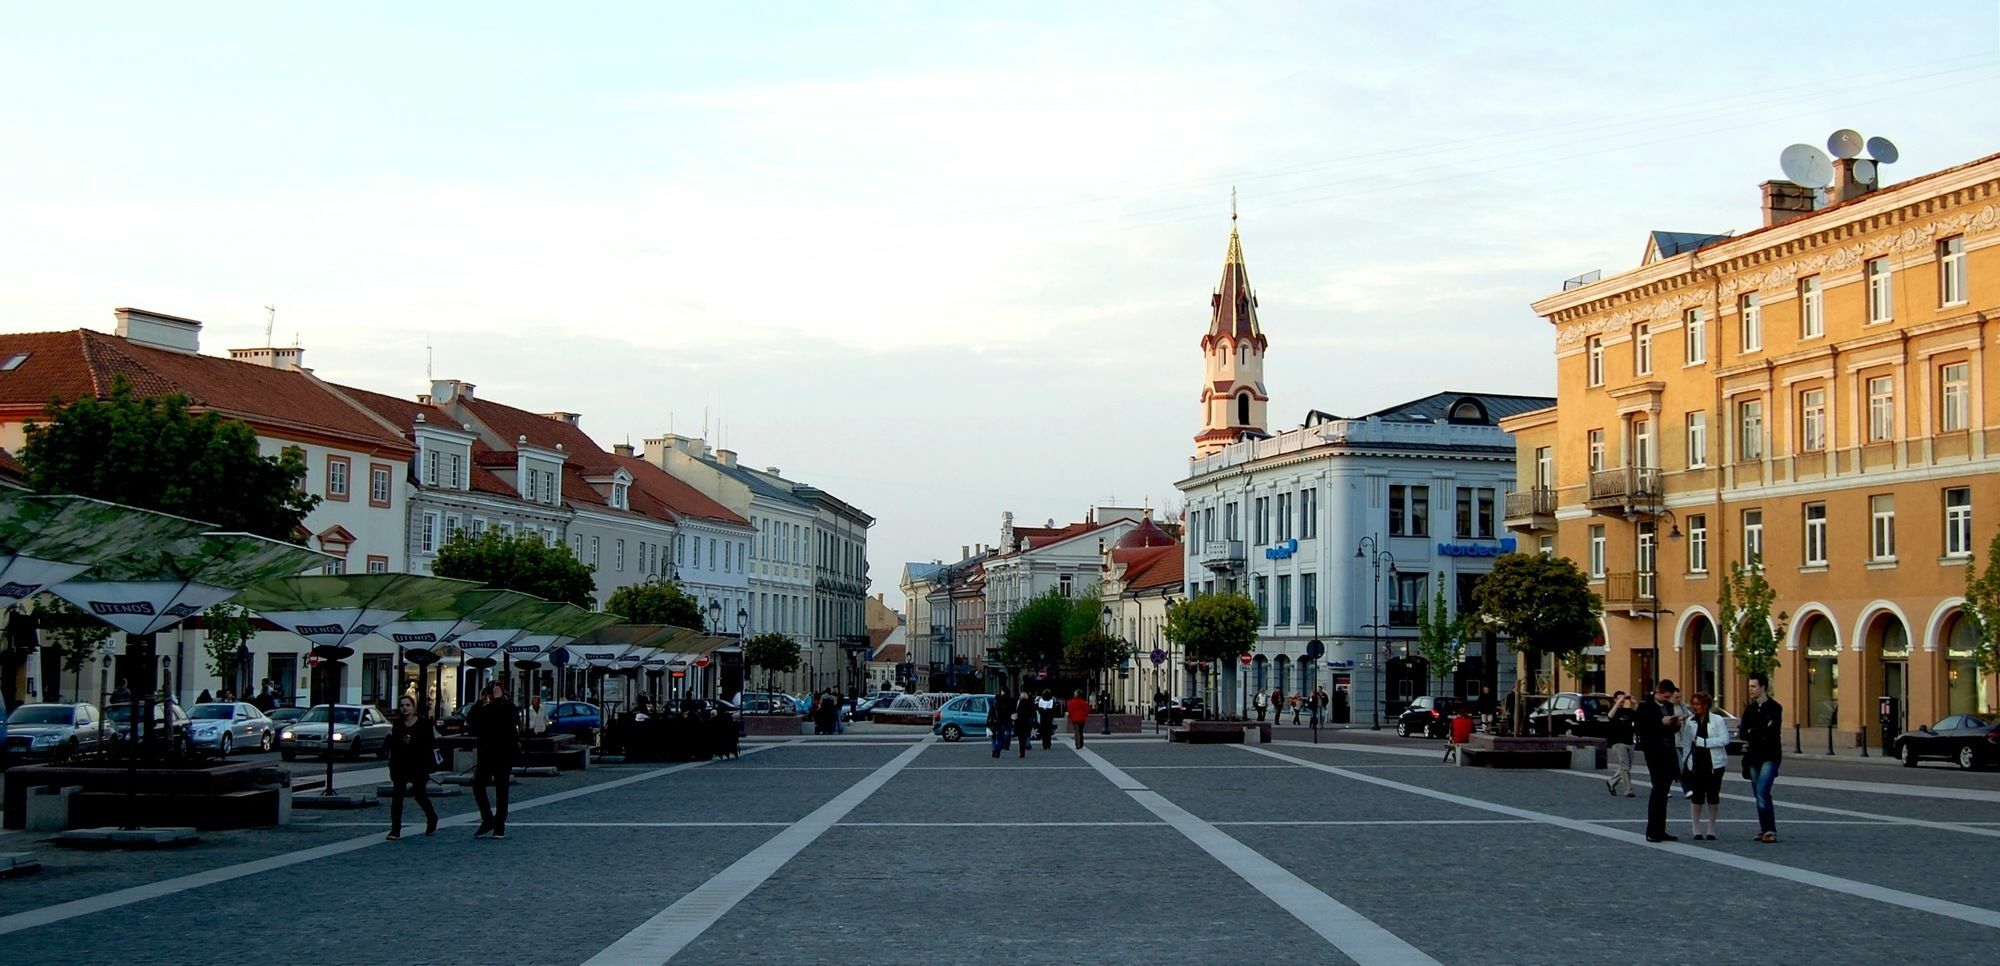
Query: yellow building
[{"x": 1811, "y": 394}]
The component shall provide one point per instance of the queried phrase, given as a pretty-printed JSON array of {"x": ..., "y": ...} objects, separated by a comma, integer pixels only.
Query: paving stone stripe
[
  {"x": 167, "y": 887},
  {"x": 1354, "y": 934},
  {"x": 1967, "y": 828},
  {"x": 1896, "y": 897},
  {"x": 660, "y": 938}
]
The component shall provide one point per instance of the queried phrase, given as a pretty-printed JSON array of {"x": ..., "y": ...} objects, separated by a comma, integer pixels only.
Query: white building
[
  {"x": 1143, "y": 574},
  {"x": 1031, "y": 561}
]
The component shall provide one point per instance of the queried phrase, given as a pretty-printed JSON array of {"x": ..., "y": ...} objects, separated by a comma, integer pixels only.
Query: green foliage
[
  {"x": 656, "y": 603},
  {"x": 1441, "y": 636},
  {"x": 229, "y": 628},
  {"x": 1214, "y": 627},
  {"x": 1095, "y": 650},
  {"x": 1744, "y": 609},
  {"x": 1982, "y": 607},
  {"x": 772, "y": 652},
  {"x": 1544, "y": 603},
  {"x": 1039, "y": 634},
  {"x": 520, "y": 562},
  {"x": 151, "y": 452}
]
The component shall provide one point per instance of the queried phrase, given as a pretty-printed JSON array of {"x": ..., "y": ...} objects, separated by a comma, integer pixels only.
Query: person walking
[
  {"x": 1045, "y": 714},
  {"x": 1763, "y": 747},
  {"x": 538, "y": 719},
  {"x": 1261, "y": 701},
  {"x": 496, "y": 728},
  {"x": 1025, "y": 718},
  {"x": 1079, "y": 714},
  {"x": 1000, "y": 721},
  {"x": 1655, "y": 726},
  {"x": 1295, "y": 709},
  {"x": 1618, "y": 743},
  {"x": 412, "y": 743},
  {"x": 1706, "y": 736}
]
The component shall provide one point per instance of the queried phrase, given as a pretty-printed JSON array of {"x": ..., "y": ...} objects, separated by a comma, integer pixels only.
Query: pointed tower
[{"x": 1232, "y": 389}]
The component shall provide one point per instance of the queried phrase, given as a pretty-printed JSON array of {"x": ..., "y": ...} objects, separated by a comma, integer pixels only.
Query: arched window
[
  {"x": 1243, "y": 409},
  {"x": 1242, "y": 354}
]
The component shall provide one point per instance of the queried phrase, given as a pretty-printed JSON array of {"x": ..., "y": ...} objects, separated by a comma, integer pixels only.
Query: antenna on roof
[
  {"x": 1806, "y": 166},
  {"x": 270, "y": 320},
  {"x": 1232, "y": 203},
  {"x": 430, "y": 357}
]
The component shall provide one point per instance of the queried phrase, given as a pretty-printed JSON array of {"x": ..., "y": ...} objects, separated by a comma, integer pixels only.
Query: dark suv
[
  {"x": 1431, "y": 715},
  {"x": 1571, "y": 713}
]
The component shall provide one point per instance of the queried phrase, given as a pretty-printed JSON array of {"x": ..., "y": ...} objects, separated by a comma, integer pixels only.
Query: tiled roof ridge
[{"x": 92, "y": 342}]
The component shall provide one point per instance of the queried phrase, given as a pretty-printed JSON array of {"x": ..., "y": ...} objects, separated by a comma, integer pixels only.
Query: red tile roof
[
  {"x": 83, "y": 362},
  {"x": 1148, "y": 567},
  {"x": 11, "y": 470},
  {"x": 403, "y": 413},
  {"x": 675, "y": 494},
  {"x": 511, "y": 424}
]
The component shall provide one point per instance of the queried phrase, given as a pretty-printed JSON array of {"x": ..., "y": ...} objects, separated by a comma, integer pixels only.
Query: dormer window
[{"x": 618, "y": 495}]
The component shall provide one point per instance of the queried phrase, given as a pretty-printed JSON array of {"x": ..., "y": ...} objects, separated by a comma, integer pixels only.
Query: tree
[
  {"x": 656, "y": 603},
  {"x": 1214, "y": 627},
  {"x": 151, "y": 452},
  {"x": 1094, "y": 650},
  {"x": 1744, "y": 609},
  {"x": 1542, "y": 602},
  {"x": 522, "y": 562},
  {"x": 1441, "y": 635},
  {"x": 775, "y": 653},
  {"x": 1039, "y": 634},
  {"x": 1982, "y": 608},
  {"x": 79, "y": 639},
  {"x": 229, "y": 627}
]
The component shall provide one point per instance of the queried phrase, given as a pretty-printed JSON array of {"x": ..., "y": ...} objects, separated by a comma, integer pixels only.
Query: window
[
  {"x": 1958, "y": 521},
  {"x": 1546, "y": 544},
  {"x": 534, "y": 493},
  {"x": 594, "y": 546},
  {"x": 1642, "y": 349},
  {"x": 1243, "y": 409},
  {"x": 1284, "y": 516},
  {"x": 1409, "y": 510},
  {"x": 1596, "y": 360},
  {"x": 478, "y": 526},
  {"x": 1262, "y": 510},
  {"x": 378, "y": 565},
  {"x": 1951, "y": 271},
  {"x": 1067, "y": 584},
  {"x": 711, "y": 553},
  {"x": 1596, "y": 450},
  {"x": 336, "y": 566},
  {"x": 1750, "y": 417},
  {"x": 1812, "y": 420},
  {"x": 1698, "y": 544},
  {"x": 1409, "y": 596},
  {"x": 1597, "y": 552},
  {"x": 1954, "y": 409},
  {"x": 618, "y": 555},
  {"x": 1882, "y": 527},
  {"x": 1880, "y": 304},
  {"x": 1309, "y": 599},
  {"x": 336, "y": 477},
  {"x": 427, "y": 541},
  {"x": 1815, "y": 555},
  {"x": 457, "y": 472},
  {"x": 1308, "y": 513},
  {"x": 1648, "y": 560},
  {"x": 1259, "y": 594},
  {"x": 1812, "y": 317},
  {"x": 1881, "y": 408},
  {"x": 1753, "y": 538},
  {"x": 1475, "y": 512},
  {"x": 1697, "y": 433},
  {"x": 1696, "y": 325},
  {"x": 1642, "y": 443},
  {"x": 1750, "y": 316},
  {"x": 1285, "y": 599},
  {"x": 451, "y": 527},
  {"x": 1545, "y": 467},
  {"x": 432, "y": 460},
  {"x": 378, "y": 485}
]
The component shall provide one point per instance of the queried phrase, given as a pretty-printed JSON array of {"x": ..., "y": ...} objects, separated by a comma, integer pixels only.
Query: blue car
[
  {"x": 961, "y": 716},
  {"x": 576, "y": 718}
]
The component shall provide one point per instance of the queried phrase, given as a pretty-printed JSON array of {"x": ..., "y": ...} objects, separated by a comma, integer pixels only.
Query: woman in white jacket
[{"x": 1705, "y": 738}]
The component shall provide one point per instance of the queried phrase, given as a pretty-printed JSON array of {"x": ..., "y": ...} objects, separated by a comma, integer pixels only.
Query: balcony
[
  {"x": 1533, "y": 509},
  {"x": 1223, "y": 556},
  {"x": 1629, "y": 592},
  {"x": 1624, "y": 487}
]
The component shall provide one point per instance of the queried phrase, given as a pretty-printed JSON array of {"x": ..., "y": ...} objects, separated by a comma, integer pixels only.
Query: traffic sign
[
  {"x": 1314, "y": 649},
  {"x": 559, "y": 657},
  {"x": 1244, "y": 658},
  {"x": 1159, "y": 657},
  {"x": 701, "y": 661}
]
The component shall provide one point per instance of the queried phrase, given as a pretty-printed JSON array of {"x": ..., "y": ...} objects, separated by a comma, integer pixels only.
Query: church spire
[
  {"x": 1233, "y": 307},
  {"x": 1233, "y": 398}
]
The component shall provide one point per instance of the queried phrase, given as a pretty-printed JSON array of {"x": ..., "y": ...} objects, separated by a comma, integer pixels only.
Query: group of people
[
  {"x": 1020, "y": 718},
  {"x": 1688, "y": 744},
  {"x": 1274, "y": 702},
  {"x": 495, "y": 725}
]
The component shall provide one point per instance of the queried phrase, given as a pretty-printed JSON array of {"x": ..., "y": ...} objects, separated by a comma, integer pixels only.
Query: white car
[{"x": 220, "y": 727}]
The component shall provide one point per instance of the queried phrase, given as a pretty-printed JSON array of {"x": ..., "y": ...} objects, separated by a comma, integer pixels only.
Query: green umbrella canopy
[
  {"x": 502, "y": 628},
  {"x": 628, "y": 635},
  {"x": 331, "y": 609},
  {"x": 45, "y": 540},
  {"x": 444, "y": 621},
  {"x": 153, "y": 586}
]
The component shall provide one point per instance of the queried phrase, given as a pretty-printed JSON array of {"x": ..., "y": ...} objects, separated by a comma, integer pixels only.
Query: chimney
[
  {"x": 772, "y": 470},
  {"x": 444, "y": 392},
  {"x": 964, "y": 551},
  {"x": 567, "y": 419},
  {"x": 289, "y": 357},
  {"x": 726, "y": 457},
  {"x": 1784, "y": 201},
  {"x": 168, "y": 332},
  {"x": 1846, "y": 187},
  {"x": 622, "y": 449}
]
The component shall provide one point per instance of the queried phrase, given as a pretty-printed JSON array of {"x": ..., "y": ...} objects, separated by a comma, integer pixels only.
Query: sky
[{"x": 944, "y": 260}]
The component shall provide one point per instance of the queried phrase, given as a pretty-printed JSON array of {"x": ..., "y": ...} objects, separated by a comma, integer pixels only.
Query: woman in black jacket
[
  {"x": 1025, "y": 717},
  {"x": 1763, "y": 746},
  {"x": 412, "y": 745}
]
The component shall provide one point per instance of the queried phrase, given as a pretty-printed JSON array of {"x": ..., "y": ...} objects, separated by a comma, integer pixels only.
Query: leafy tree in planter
[
  {"x": 522, "y": 562},
  {"x": 1214, "y": 627},
  {"x": 1039, "y": 634},
  {"x": 151, "y": 452},
  {"x": 775, "y": 653},
  {"x": 1982, "y": 607},
  {"x": 1744, "y": 610},
  {"x": 656, "y": 603},
  {"x": 1543, "y": 603},
  {"x": 1096, "y": 651},
  {"x": 1441, "y": 635}
]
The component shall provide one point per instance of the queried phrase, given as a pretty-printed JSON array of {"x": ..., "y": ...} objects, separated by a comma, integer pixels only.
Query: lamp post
[
  {"x": 1103, "y": 689},
  {"x": 1652, "y": 576},
  {"x": 1370, "y": 549},
  {"x": 714, "y": 617}
]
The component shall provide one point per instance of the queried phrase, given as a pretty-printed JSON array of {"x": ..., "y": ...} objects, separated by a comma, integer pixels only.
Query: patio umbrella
[
  {"x": 45, "y": 540},
  {"x": 430, "y": 629}
]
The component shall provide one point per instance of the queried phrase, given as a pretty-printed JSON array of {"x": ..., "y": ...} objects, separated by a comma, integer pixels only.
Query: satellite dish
[
  {"x": 1882, "y": 150},
  {"x": 1864, "y": 171},
  {"x": 1844, "y": 143},
  {"x": 1806, "y": 166}
]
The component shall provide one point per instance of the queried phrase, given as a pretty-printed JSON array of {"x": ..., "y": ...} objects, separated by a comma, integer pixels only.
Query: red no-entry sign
[{"x": 1244, "y": 658}]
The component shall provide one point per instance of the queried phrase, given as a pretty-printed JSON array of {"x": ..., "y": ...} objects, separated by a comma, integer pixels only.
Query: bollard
[
  {"x": 1829, "y": 739},
  {"x": 1863, "y": 733},
  {"x": 1798, "y": 748}
]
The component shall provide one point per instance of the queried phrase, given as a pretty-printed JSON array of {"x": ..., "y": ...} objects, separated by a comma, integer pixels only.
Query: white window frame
[
  {"x": 1951, "y": 271},
  {"x": 1647, "y": 561},
  {"x": 1642, "y": 349},
  {"x": 427, "y": 539},
  {"x": 1750, "y": 430},
  {"x": 1812, "y": 308},
  {"x": 1642, "y": 444},
  {"x": 339, "y": 469},
  {"x": 1697, "y": 439},
  {"x": 1881, "y": 291},
  {"x": 1881, "y": 408},
  {"x": 1597, "y": 454},
  {"x": 1750, "y": 319},
  {"x": 1954, "y": 397},
  {"x": 1812, "y": 421},
  {"x": 1815, "y": 535},
  {"x": 1696, "y": 326},
  {"x": 1882, "y": 528},
  {"x": 1545, "y": 467},
  {"x": 595, "y": 546},
  {"x": 1597, "y": 552},
  {"x": 618, "y": 555},
  {"x": 1958, "y": 521},
  {"x": 1753, "y": 538},
  {"x": 1698, "y": 544},
  {"x": 1594, "y": 361}
]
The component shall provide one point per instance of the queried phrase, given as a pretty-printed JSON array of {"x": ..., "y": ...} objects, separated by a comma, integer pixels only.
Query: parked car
[
  {"x": 1571, "y": 713},
  {"x": 356, "y": 729},
  {"x": 882, "y": 700},
  {"x": 1430, "y": 716},
  {"x": 1967, "y": 740},
  {"x": 1189, "y": 708},
  {"x": 961, "y": 716},
  {"x": 169, "y": 733},
  {"x": 577, "y": 718},
  {"x": 220, "y": 727},
  {"x": 768, "y": 702},
  {"x": 50, "y": 732}
]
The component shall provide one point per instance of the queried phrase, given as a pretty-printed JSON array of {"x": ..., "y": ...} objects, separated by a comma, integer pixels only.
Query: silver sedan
[{"x": 221, "y": 727}]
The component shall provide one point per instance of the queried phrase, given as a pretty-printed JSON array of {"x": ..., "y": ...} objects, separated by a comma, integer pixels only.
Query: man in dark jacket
[
  {"x": 1763, "y": 745},
  {"x": 496, "y": 726},
  {"x": 1000, "y": 721},
  {"x": 1655, "y": 726}
]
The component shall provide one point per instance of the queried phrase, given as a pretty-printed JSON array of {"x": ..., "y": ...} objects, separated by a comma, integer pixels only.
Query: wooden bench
[{"x": 1220, "y": 732}]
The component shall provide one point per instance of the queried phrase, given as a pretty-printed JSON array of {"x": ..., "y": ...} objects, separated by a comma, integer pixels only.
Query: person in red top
[{"x": 1079, "y": 712}]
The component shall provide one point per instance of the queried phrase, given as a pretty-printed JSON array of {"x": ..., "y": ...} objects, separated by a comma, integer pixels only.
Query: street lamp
[
  {"x": 1370, "y": 549},
  {"x": 1103, "y": 691},
  {"x": 1652, "y": 575}
]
